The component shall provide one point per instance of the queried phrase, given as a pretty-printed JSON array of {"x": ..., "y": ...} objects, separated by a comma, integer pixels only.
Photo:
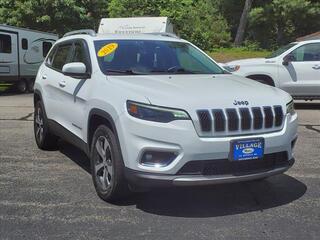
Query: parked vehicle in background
[
  {"x": 294, "y": 68},
  {"x": 153, "y": 110},
  {"x": 21, "y": 53}
]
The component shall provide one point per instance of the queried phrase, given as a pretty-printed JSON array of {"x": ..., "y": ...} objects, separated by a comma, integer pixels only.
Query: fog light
[{"x": 157, "y": 159}]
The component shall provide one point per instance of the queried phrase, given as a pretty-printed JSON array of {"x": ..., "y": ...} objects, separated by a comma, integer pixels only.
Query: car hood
[{"x": 192, "y": 92}]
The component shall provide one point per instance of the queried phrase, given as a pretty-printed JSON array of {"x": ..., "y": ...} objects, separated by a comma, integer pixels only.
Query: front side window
[
  {"x": 281, "y": 50},
  {"x": 5, "y": 43},
  {"x": 61, "y": 56},
  {"x": 152, "y": 57},
  {"x": 306, "y": 53},
  {"x": 79, "y": 53}
]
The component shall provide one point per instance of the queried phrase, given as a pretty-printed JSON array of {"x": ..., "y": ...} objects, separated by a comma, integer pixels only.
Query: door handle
[
  {"x": 44, "y": 77},
  {"x": 316, "y": 67},
  {"x": 62, "y": 83}
]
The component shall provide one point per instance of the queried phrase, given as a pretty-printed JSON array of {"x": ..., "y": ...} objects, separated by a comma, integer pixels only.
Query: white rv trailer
[
  {"x": 136, "y": 25},
  {"x": 21, "y": 53}
]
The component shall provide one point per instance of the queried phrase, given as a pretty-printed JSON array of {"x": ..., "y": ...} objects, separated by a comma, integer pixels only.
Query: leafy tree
[
  {"x": 282, "y": 21},
  {"x": 198, "y": 21},
  {"x": 243, "y": 23},
  {"x": 57, "y": 16}
]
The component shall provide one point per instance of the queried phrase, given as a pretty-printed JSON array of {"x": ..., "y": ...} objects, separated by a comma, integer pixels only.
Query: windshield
[
  {"x": 128, "y": 57},
  {"x": 281, "y": 50}
]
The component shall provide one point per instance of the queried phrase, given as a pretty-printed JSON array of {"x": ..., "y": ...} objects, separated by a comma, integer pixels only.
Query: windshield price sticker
[{"x": 107, "y": 49}]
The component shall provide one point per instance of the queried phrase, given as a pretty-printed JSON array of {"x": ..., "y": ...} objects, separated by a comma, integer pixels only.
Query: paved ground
[{"x": 49, "y": 195}]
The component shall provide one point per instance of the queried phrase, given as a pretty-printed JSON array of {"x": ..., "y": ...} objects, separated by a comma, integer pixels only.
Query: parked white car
[
  {"x": 153, "y": 110},
  {"x": 294, "y": 68}
]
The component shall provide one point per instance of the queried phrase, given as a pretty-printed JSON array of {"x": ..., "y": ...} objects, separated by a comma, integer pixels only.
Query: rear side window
[
  {"x": 309, "y": 52},
  {"x": 61, "y": 56},
  {"x": 5, "y": 43},
  {"x": 46, "y": 46},
  {"x": 24, "y": 44}
]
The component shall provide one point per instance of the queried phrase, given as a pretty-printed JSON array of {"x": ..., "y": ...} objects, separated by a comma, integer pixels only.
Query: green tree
[
  {"x": 196, "y": 20},
  {"x": 243, "y": 23},
  {"x": 282, "y": 21},
  {"x": 57, "y": 16}
]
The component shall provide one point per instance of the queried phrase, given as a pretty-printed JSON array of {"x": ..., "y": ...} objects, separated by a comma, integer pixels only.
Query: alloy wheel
[
  {"x": 103, "y": 163},
  {"x": 39, "y": 125}
]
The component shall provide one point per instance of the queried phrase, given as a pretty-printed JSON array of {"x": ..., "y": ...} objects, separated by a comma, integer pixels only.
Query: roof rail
[
  {"x": 165, "y": 34},
  {"x": 81, "y": 31}
]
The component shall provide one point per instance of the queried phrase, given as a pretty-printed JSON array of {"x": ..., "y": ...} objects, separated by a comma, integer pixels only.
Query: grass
[
  {"x": 228, "y": 54},
  {"x": 4, "y": 86}
]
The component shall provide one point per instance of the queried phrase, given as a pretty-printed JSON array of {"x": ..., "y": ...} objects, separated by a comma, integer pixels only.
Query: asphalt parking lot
[{"x": 50, "y": 195}]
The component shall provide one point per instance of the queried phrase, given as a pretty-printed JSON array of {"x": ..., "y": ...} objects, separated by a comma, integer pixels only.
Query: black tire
[
  {"x": 107, "y": 167},
  {"x": 44, "y": 139},
  {"x": 260, "y": 180},
  {"x": 22, "y": 86},
  {"x": 30, "y": 84}
]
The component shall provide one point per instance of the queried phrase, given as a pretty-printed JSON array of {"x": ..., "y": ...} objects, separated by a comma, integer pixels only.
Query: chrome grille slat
[{"x": 237, "y": 120}]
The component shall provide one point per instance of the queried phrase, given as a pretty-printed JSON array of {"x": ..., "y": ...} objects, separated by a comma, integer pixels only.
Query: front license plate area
[{"x": 246, "y": 149}]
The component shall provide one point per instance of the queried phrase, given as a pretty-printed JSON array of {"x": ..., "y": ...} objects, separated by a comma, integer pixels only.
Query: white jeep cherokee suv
[
  {"x": 294, "y": 68},
  {"x": 153, "y": 110}
]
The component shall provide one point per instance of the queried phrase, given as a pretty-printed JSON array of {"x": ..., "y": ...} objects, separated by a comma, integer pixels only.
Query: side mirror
[
  {"x": 75, "y": 70},
  {"x": 287, "y": 59}
]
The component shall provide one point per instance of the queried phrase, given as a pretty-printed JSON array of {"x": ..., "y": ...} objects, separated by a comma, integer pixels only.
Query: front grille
[
  {"x": 205, "y": 120},
  {"x": 242, "y": 119},
  {"x": 219, "y": 120},
  {"x": 227, "y": 167}
]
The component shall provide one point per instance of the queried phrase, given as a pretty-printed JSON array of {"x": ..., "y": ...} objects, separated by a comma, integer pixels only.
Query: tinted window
[
  {"x": 281, "y": 50},
  {"x": 308, "y": 52},
  {"x": 51, "y": 55},
  {"x": 61, "y": 56},
  {"x": 5, "y": 43},
  {"x": 153, "y": 57},
  {"x": 46, "y": 46},
  {"x": 24, "y": 43},
  {"x": 79, "y": 53}
]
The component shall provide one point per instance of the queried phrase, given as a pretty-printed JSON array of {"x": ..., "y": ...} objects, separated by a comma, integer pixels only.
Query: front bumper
[
  {"x": 138, "y": 136},
  {"x": 151, "y": 180}
]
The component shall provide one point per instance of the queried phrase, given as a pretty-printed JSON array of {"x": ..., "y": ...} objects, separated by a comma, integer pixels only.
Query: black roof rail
[{"x": 81, "y": 31}]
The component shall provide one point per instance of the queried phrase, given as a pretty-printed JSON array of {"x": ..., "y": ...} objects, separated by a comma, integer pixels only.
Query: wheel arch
[
  {"x": 263, "y": 77},
  {"x": 97, "y": 117},
  {"x": 36, "y": 96}
]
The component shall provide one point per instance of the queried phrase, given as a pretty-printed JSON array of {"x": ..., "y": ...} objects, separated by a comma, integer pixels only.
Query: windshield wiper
[
  {"x": 127, "y": 71},
  {"x": 179, "y": 70},
  {"x": 175, "y": 71}
]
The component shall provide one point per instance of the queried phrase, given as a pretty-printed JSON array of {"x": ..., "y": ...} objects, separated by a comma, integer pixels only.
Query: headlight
[
  {"x": 232, "y": 68},
  {"x": 155, "y": 113},
  {"x": 290, "y": 108}
]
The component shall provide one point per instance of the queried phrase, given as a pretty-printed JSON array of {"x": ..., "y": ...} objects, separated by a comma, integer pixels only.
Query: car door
[
  {"x": 75, "y": 92},
  {"x": 9, "y": 65},
  {"x": 303, "y": 71},
  {"x": 54, "y": 82}
]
